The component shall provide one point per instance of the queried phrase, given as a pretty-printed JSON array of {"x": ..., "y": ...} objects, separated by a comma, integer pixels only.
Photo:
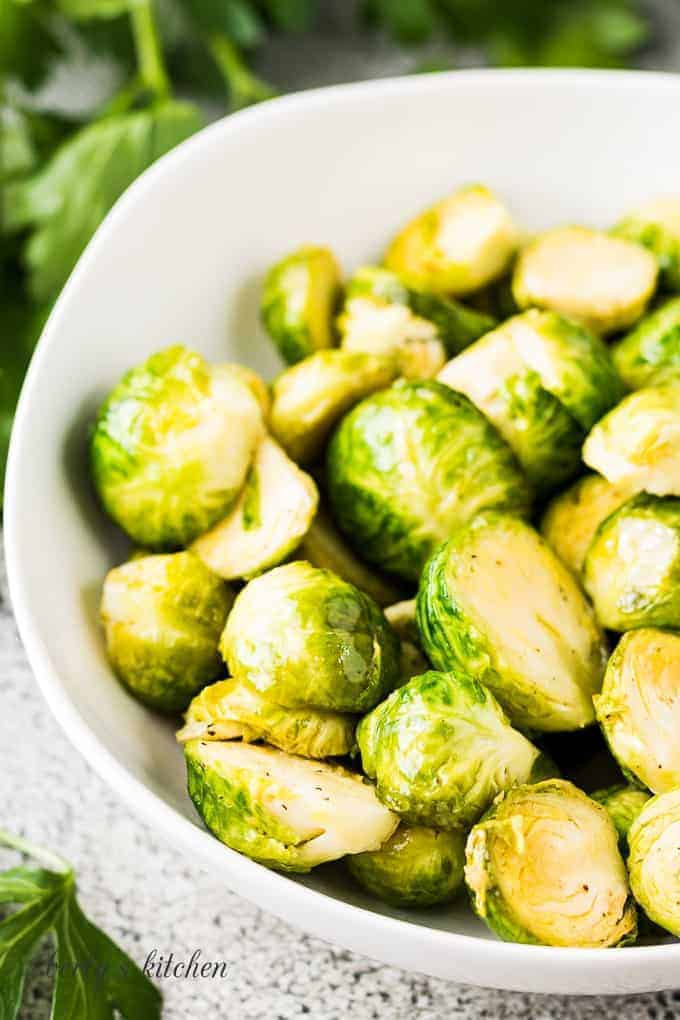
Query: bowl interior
[{"x": 181, "y": 259}]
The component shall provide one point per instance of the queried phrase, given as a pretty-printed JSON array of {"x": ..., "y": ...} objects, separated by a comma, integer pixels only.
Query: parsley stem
[
  {"x": 150, "y": 62},
  {"x": 38, "y": 853},
  {"x": 244, "y": 87}
]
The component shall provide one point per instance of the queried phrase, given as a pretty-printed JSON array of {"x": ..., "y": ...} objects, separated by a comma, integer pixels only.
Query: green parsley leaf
[
  {"x": 66, "y": 201},
  {"x": 94, "y": 978}
]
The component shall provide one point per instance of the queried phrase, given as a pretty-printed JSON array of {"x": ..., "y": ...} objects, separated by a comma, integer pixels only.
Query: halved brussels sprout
[
  {"x": 162, "y": 617},
  {"x": 495, "y": 601},
  {"x": 543, "y": 867},
  {"x": 171, "y": 447},
  {"x": 543, "y": 381},
  {"x": 272, "y": 516},
  {"x": 286, "y": 812},
  {"x": 656, "y": 225},
  {"x": 572, "y": 518},
  {"x": 299, "y": 299},
  {"x": 632, "y": 567},
  {"x": 306, "y": 638},
  {"x": 650, "y": 353},
  {"x": 654, "y": 860},
  {"x": 410, "y": 464},
  {"x": 638, "y": 443},
  {"x": 440, "y": 748},
  {"x": 602, "y": 281},
  {"x": 383, "y": 316},
  {"x": 457, "y": 245},
  {"x": 255, "y": 383},
  {"x": 416, "y": 867},
  {"x": 639, "y": 707},
  {"x": 624, "y": 803},
  {"x": 324, "y": 547},
  {"x": 311, "y": 397},
  {"x": 233, "y": 710}
]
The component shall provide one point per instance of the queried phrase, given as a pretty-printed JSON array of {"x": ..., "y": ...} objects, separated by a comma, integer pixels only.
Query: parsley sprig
[{"x": 94, "y": 979}]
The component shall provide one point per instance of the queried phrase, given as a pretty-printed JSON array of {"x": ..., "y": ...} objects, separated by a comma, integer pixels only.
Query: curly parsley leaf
[
  {"x": 66, "y": 201},
  {"x": 95, "y": 980}
]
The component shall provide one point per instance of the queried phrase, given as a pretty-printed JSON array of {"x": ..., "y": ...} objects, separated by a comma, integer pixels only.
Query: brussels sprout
[
  {"x": 409, "y": 464},
  {"x": 495, "y": 601},
  {"x": 456, "y": 246},
  {"x": 542, "y": 381},
  {"x": 272, "y": 516},
  {"x": 255, "y": 383},
  {"x": 623, "y": 803},
  {"x": 233, "y": 710},
  {"x": 639, "y": 707},
  {"x": 324, "y": 547},
  {"x": 311, "y": 397},
  {"x": 306, "y": 638},
  {"x": 383, "y": 316},
  {"x": 299, "y": 300},
  {"x": 572, "y": 518},
  {"x": 286, "y": 812},
  {"x": 654, "y": 860},
  {"x": 632, "y": 567},
  {"x": 543, "y": 867},
  {"x": 602, "y": 281},
  {"x": 650, "y": 353},
  {"x": 656, "y": 225},
  {"x": 638, "y": 443},
  {"x": 416, "y": 867},
  {"x": 171, "y": 447},
  {"x": 440, "y": 748},
  {"x": 162, "y": 618}
]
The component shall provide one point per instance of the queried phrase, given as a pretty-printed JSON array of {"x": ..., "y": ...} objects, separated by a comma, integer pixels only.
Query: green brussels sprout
[
  {"x": 311, "y": 397},
  {"x": 383, "y": 316},
  {"x": 416, "y": 867},
  {"x": 650, "y": 353},
  {"x": 601, "y": 281},
  {"x": 272, "y": 516},
  {"x": 639, "y": 707},
  {"x": 457, "y": 246},
  {"x": 171, "y": 447},
  {"x": 299, "y": 299},
  {"x": 233, "y": 710},
  {"x": 440, "y": 748},
  {"x": 654, "y": 860},
  {"x": 572, "y": 518},
  {"x": 638, "y": 443},
  {"x": 324, "y": 547},
  {"x": 656, "y": 225},
  {"x": 305, "y": 638},
  {"x": 543, "y": 381},
  {"x": 255, "y": 383},
  {"x": 543, "y": 867},
  {"x": 163, "y": 616},
  {"x": 632, "y": 567},
  {"x": 286, "y": 812},
  {"x": 495, "y": 601},
  {"x": 623, "y": 803},
  {"x": 410, "y": 464}
]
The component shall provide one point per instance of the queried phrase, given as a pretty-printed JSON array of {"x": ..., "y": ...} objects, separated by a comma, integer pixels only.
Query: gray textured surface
[{"x": 148, "y": 896}]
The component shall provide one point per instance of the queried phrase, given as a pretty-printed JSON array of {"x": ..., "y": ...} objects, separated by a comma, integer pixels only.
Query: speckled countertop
[{"x": 147, "y": 895}]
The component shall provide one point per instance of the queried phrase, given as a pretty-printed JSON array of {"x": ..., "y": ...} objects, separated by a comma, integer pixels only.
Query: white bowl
[{"x": 181, "y": 258}]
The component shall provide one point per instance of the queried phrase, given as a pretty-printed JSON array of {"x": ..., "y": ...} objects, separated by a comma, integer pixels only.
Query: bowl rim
[{"x": 268, "y": 889}]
